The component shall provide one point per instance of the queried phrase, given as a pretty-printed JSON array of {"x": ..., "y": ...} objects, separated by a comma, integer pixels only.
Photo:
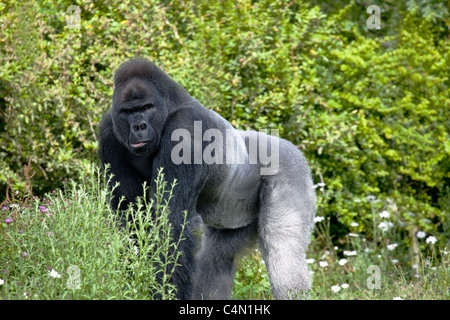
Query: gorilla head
[{"x": 143, "y": 98}]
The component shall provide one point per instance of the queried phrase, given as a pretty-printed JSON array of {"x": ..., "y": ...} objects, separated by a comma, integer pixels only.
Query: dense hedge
[{"x": 369, "y": 108}]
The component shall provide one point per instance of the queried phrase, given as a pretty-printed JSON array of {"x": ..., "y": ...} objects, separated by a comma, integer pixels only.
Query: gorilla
[{"x": 226, "y": 181}]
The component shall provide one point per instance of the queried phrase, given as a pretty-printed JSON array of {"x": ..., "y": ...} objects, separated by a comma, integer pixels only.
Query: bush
[{"x": 378, "y": 124}]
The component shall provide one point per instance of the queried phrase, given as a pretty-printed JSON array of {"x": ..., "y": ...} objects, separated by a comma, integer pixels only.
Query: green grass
[
  {"x": 68, "y": 246},
  {"x": 359, "y": 268},
  {"x": 429, "y": 280}
]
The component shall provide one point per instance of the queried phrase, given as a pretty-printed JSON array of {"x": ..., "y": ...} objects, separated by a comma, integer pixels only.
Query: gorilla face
[{"x": 138, "y": 115}]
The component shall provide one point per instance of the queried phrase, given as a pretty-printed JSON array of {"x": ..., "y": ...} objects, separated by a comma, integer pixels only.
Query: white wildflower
[
  {"x": 354, "y": 224},
  {"x": 309, "y": 261},
  {"x": 397, "y": 298},
  {"x": 392, "y": 246},
  {"x": 318, "y": 219},
  {"x": 344, "y": 286},
  {"x": 385, "y": 214},
  {"x": 384, "y": 226},
  {"x": 430, "y": 240},
  {"x": 54, "y": 274},
  {"x": 342, "y": 262},
  {"x": 320, "y": 184},
  {"x": 323, "y": 264},
  {"x": 421, "y": 234},
  {"x": 335, "y": 288},
  {"x": 350, "y": 253}
]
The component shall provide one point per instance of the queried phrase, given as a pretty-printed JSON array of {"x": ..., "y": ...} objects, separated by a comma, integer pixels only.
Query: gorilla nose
[{"x": 141, "y": 127}]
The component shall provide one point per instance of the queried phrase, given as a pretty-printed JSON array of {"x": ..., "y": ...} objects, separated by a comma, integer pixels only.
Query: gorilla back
[{"x": 247, "y": 187}]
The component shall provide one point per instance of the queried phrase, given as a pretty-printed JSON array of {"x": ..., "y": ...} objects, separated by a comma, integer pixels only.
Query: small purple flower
[
  {"x": 49, "y": 233},
  {"x": 20, "y": 231},
  {"x": 8, "y": 220},
  {"x": 50, "y": 214},
  {"x": 43, "y": 209},
  {"x": 4, "y": 208}
]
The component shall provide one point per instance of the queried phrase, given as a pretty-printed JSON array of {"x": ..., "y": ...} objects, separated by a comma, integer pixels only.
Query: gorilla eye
[
  {"x": 127, "y": 111},
  {"x": 146, "y": 107}
]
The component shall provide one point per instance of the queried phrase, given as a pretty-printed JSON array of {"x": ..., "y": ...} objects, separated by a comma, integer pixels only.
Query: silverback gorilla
[{"x": 225, "y": 177}]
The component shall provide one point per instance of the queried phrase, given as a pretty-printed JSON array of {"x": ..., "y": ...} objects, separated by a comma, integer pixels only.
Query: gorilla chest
[
  {"x": 142, "y": 165},
  {"x": 231, "y": 204}
]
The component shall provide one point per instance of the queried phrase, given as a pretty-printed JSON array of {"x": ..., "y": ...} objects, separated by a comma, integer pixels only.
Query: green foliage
[
  {"x": 251, "y": 281},
  {"x": 379, "y": 121},
  {"x": 369, "y": 108},
  {"x": 361, "y": 268},
  {"x": 68, "y": 245}
]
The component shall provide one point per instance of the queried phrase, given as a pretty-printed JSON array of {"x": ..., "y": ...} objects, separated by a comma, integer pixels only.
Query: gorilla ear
[{"x": 146, "y": 70}]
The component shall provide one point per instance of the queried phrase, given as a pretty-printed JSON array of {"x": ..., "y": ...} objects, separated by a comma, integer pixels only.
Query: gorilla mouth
[{"x": 138, "y": 145}]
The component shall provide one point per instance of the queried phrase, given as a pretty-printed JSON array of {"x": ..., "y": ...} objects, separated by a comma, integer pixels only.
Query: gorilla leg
[
  {"x": 285, "y": 221},
  {"x": 217, "y": 260}
]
